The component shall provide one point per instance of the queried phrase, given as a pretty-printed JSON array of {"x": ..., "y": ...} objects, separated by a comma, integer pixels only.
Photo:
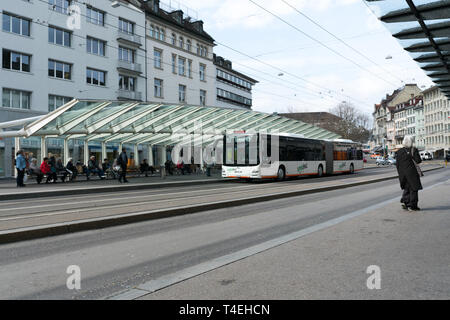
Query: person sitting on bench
[
  {"x": 94, "y": 168},
  {"x": 145, "y": 168},
  {"x": 46, "y": 169},
  {"x": 34, "y": 170}
]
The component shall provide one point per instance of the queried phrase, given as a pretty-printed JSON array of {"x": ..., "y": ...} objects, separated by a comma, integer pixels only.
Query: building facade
[
  {"x": 406, "y": 120},
  {"x": 180, "y": 65},
  {"x": 384, "y": 129},
  {"x": 437, "y": 122},
  {"x": 233, "y": 89},
  {"x": 56, "y": 50}
]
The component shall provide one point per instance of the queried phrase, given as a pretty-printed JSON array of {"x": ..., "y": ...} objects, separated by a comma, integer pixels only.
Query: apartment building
[
  {"x": 437, "y": 122},
  {"x": 406, "y": 121},
  {"x": 56, "y": 50},
  {"x": 180, "y": 65},
  {"x": 234, "y": 89},
  {"x": 384, "y": 131}
]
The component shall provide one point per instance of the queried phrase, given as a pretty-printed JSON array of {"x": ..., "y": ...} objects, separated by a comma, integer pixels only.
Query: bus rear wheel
[
  {"x": 281, "y": 174},
  {"x": 320, "y": 171}
]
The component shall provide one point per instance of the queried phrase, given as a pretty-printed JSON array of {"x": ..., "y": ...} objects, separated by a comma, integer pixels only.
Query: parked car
[
  {"x": 425, "y": 155},
  {"x": 381, "y": 161}
]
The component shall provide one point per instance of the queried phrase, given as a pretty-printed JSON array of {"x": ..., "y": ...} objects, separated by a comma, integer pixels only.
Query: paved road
[
  {"x": 119, "y": 258},
  {"x": 45, "y": 211}
]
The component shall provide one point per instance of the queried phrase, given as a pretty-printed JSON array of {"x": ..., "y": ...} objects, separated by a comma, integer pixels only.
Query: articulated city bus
[{"x": 277, "y": 156}]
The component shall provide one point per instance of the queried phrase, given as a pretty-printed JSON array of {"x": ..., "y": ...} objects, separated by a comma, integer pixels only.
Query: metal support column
[
  {"x": 43, "y": 148},
  {"x": 136, "y": 155},
  {"x": 16, "y": 148},
  {"x": 66, "y": 151},
  {"x": 86, "y": 152},
  {"x": 150, "y": 155},
  {"x": 104, "y": 154}
]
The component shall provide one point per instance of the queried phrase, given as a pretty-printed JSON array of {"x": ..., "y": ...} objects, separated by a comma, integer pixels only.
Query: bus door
[{"x": 329, "y": 157}]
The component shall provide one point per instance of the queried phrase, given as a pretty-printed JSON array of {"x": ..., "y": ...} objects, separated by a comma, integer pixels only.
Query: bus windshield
[{"x": 241, "y": 150}]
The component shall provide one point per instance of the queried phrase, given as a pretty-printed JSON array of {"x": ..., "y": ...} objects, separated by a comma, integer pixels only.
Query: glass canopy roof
[
  {"x": 423, "y": 29},
  {"x": 156, "y": 124}
]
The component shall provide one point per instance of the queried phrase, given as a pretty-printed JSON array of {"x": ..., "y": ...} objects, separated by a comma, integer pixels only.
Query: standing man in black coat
[
  {"x": 408, "y": 175},
  {"x": 122, "y": 161}
]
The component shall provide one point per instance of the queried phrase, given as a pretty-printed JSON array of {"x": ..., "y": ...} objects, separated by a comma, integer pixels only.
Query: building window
[
  {"x": 181, "y": 93},
  {"x": 234, "y": 98},
  {"x": 95, "y": 77},
  {"x": 59, "y": 70},
  {"x": 59, "y": 36},
  {"x": 126, "y": 54},
  {"x": 16, "y": 99},
  {"x": 95, "y": 16},
  {"x": 126, "y": 26},
  {"x": 162, "y": 35},
  {"x": 174, "y": 63},
  {"x": 127, "y": 83},
  {"x": 181, "y": 66},
  {"x": 152, "y": 31},
  {"x": 202, "y": 72},
  {"x": 157, "y": 58},
  {"x": 181, "y": 42},
  {"x": 158, "y": 88},
  {"x": 16, "y": 61},
  {"x": 202, "y": 97},
  {"x": 16, "y": 24},
  {"x": 174, "y": 39},
  {"x": 95, "y": 46},
  {"x": 188, "y": 45},
  {"x": 54, "y": 102},
  {"x": 61, "y": 6}
]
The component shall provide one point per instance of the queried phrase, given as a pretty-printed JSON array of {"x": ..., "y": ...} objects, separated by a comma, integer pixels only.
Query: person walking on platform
[
  {"x": 409, "y": 174},
  {"x": 122, "y": 161},
  {"x": 21, "y": 165}
]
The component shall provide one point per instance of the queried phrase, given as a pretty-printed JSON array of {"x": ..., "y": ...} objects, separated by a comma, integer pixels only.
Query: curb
[
  {"x": 100, "y": 189},
  {"x": 29, "y": 233}
]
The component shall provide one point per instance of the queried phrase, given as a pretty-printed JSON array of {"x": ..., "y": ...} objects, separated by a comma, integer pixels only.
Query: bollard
[{"x": 162, "y": 171}]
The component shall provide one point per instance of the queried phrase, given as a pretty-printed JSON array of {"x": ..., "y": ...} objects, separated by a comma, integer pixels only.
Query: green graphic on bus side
[{"x": 302, "y": 167}]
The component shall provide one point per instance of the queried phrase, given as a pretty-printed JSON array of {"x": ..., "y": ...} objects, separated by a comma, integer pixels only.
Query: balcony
[
  {"x": 129, "y": 66},
  {"x": 131, "y": 39},
  {"x": 129, "y": 95}
]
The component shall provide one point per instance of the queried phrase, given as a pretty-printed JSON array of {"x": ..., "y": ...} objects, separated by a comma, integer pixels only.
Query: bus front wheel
[{"x": 281, "y": 174}]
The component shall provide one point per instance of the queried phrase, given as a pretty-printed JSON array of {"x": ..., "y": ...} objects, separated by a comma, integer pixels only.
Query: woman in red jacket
[{"x": 45, "y": 169}]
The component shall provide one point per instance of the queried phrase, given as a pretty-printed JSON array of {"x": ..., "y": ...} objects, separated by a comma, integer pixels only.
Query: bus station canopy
[
  {"x": 423, "y": 28},
  {"x": 127, "y": 122}
]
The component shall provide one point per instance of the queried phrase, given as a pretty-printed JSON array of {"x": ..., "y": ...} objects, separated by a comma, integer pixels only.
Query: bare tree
[{"x": 353, "y": 125}]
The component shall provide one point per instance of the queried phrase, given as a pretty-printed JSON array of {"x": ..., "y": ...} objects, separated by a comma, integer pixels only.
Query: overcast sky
[{"x": 315, "y": 78}]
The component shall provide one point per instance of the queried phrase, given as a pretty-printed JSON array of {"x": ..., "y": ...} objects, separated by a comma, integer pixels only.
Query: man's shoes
[
  {"x": 404, "y": 206},
  {"x": 126, "y": 181},
  {"x": 120, "y": 180},
  {"x": 414, "y": 209}
]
